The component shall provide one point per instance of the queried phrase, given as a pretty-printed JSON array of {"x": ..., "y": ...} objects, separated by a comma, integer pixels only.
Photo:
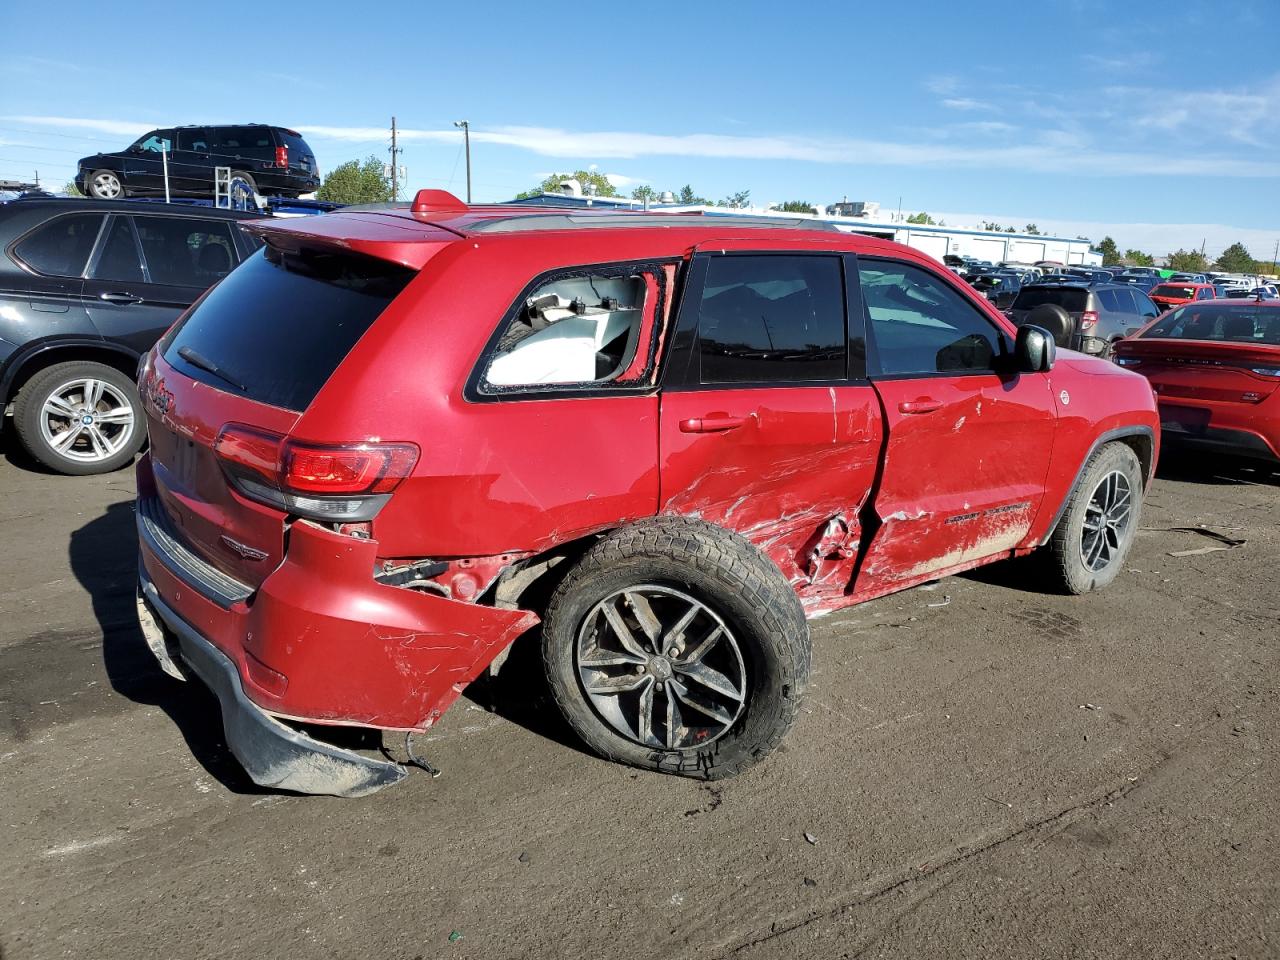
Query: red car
[
  {"x": 1170, "y": 295},
  {"x": 1215, "y": 368},
  {"x": 396, "y": 440}
]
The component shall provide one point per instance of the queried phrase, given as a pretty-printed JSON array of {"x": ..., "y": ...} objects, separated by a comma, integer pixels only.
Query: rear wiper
[{"x": 204, "y": 363}]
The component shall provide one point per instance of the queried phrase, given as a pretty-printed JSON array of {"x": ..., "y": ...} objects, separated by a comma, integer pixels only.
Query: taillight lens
[
  {"x": 347, "y": 482},
  {"x": 1088, "y": 320},
  {"x": 282, "y": 156},
  {"x": 354, "y": 468}
]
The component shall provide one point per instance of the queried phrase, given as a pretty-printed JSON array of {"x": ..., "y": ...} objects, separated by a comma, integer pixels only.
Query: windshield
[
  {"x": 280, "y": 324},
  {"x": 1174, "y": 290},
  {"x": 1234, "y": 323}
]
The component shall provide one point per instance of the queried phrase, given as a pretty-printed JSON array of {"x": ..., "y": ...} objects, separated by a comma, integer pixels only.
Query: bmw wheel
[{"x": 80, "y": 418}]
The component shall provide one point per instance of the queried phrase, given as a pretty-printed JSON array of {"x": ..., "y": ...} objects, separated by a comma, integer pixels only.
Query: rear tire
[
  {"x": 106, "y": 185},
  {"x": 80, "y": 418},
  {"x": 748, "y": 629},
  {"x": 1092, "y": 540}
]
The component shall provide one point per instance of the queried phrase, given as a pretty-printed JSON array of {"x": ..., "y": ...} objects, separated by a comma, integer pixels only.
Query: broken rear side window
[{"x": 586, "y": 328}]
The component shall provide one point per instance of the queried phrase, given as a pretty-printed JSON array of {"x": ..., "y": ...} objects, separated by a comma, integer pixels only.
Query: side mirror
[{"x": 1035, "y": 349}]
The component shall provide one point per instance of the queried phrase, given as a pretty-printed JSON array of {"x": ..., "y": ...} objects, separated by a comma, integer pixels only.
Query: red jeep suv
[{"x": 397, "y": 439}]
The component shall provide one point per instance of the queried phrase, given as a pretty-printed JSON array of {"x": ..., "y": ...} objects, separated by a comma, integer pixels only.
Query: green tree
[
  {"x": 921, "y": 217},
  {"x": 71, "y": 190},
  {"x": 593, "y": 184},
  {"x": 356, "y": 182},
  {"x": 1032, "y": 229},
  {"x": 644, "y": 192},
  {"x": 1236, "y": 259},
  {"x": 797, "y": 206},
  {"x": 686, "y": 195},
  {"x": 1110, "y": 252},
  {"x": 1139, "y": 259},
  {"x": 1188, "y": 261},
  {"x": 736, "y": 200}
]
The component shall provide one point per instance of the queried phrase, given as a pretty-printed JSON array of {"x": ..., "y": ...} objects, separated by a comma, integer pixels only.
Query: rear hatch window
[
  {"x": 279, "y": 325},
  {"x": 1175, "y": 291},
  {"x": 299, "y": 153},
  {"x": 1070, "y": 299},
  {"x": 1236, "y": 324}
]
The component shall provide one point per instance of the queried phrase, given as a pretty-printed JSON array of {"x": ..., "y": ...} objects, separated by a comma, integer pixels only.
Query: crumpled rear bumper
[{"x": 273, "y": 754}]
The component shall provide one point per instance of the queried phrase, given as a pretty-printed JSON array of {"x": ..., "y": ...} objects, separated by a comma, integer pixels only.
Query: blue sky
[{"x": 1156, "y": 123}]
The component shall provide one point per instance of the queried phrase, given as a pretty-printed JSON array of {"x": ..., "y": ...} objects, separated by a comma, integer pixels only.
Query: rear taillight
[
  {"x": 1088, "y": 320},
  {"x": 282, "y": 156},
  {"x": 347, "y": 482}
]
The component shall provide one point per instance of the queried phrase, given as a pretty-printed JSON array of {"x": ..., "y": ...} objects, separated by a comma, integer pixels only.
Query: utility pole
[
  {"x": 465, "y": 126},
  {"x": 395, "y": 164}
]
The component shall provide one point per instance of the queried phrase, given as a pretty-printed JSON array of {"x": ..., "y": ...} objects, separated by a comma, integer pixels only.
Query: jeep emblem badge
[{"x": 1064, "y": 397}]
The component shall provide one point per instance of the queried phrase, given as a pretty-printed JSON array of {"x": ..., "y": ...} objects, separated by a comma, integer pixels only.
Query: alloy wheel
[
  {"x": 1106, "y": 521},
  {"x": 87, "y": 420},
  {"x": 106, "y": 186},
  {"x": 661, "y": 668}
]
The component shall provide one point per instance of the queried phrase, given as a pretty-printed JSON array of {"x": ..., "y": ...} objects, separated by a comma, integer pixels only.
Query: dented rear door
[{"x": 768, "y": 426}]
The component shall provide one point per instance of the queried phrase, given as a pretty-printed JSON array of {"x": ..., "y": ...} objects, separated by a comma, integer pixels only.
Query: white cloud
[
  {"x": 1049, "y": 151},
  {"x": 122, "y": 128},
  {"x": 621, "y": 180},
  {"x": 967, "y": 103}
]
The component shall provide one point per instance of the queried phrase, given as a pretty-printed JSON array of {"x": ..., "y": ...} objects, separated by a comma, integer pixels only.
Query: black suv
[
  {"x": 271, "y": 161},
  {"x": 86, "y": 287},
  {"x": 1084, "y": 316}
]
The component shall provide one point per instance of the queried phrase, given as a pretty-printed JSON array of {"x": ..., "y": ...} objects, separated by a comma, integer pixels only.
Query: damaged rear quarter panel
[{"x": 358, "y": 652}]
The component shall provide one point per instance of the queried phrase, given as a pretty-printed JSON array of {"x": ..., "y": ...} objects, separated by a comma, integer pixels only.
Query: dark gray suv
[
  {"x": 86, "y": 287},
  {"x": 1089, "y": 317}
]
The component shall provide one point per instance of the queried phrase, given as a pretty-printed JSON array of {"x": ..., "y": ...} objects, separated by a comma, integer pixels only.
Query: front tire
[
  {"x": 1089, "y": 546},
  {"x": 106, "y": 185},
  {"x": 80, "y": 418},
  {"x": 677, "y": 646}
]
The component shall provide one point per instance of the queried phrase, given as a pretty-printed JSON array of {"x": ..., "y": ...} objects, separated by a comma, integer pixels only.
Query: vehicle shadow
[
  {"x": 104, "y": 559},
  {"x": 1188, "y": 466},
  {"x": 519, "y": 693},
  {"x": 16, "y": 454}
]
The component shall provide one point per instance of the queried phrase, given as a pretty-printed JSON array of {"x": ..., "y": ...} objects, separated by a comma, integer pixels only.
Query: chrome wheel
[
  {"x": 661, "y": 668},
  {"x": 106, "y": 186},
  {"x": 1106, "y": 521},
  {"x": 87, "y": 420}
]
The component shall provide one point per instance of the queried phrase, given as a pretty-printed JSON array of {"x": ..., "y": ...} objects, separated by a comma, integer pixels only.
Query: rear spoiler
[{"x": 408, "y": 243}]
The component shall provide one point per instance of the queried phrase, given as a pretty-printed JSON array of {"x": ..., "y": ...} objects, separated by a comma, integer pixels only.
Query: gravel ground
[{"x": 982, "y": 770}]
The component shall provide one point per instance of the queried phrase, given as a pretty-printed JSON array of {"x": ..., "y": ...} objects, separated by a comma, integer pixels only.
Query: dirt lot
[{"x": 982, "y": 770}]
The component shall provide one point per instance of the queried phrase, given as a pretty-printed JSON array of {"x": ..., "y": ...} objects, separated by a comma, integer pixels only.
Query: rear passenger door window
[
  {"x": 772, "y": 319},
  {"x": 60, "y": 247},
  {"x": 186, "y": 252},
  {"x": 921, "y": 325},
  {"x": 1111, "y": 301}
]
